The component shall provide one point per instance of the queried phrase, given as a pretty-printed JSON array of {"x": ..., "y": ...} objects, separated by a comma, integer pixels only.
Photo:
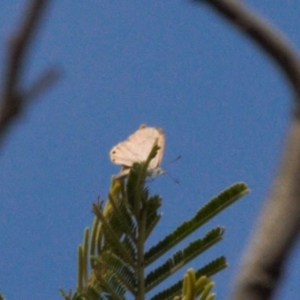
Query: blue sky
[{"x": 222, "y": 104}]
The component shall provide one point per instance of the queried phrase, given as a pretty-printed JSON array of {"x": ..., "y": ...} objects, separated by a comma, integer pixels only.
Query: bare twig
[
  {"x": 43, "y": 82},
  {"x": 13, "y": 98},
  {"x": 279, "y": 223}
]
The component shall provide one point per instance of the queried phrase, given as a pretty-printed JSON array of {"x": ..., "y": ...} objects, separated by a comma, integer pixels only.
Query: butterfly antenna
[
  {"x": 173, "y": 178},
  {"x": 174, "y": 160},
  {"x": 170, "y": 162}
]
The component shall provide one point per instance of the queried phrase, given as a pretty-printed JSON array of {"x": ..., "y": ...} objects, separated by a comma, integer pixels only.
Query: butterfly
[{"x": 137, "y": 148}]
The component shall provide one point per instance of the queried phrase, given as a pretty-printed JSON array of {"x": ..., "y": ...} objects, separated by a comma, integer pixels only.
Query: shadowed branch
[
  {"x": 279, "y": 224},
  {"x": 13, "y": 97}
]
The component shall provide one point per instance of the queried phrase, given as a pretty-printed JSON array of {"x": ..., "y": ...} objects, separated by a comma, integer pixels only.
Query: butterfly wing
[{"x": 138, "y": 146}]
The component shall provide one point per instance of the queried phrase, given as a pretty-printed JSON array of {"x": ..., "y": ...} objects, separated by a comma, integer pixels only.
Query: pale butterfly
[{"x": 137, "y": 148}]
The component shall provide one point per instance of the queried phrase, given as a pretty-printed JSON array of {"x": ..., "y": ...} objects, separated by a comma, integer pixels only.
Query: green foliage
[
  {"x": 194, "y": 287},
  {"x": 177, "y": 288},
  {"x": 112, "y": 259}
]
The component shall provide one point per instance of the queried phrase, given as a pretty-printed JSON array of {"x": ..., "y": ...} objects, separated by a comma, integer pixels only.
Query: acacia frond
[
  {"x": 94, "y": 234},
  {"x": 112, "y": 237},
  {"x": 209, "y": 270},
  {"x": 212, "y": 208},
  {"x": 182, "y": 257},
  {"x": 123, "y": 271},
  {"x": 123, "y": 216},
  {"x": 110, "y": 287},
  {"x": 152, "y": 216},
  {"x": 213, "y": 267},
  {"x": 115, "y": 247},
  {"x": 193, "y": 288}
]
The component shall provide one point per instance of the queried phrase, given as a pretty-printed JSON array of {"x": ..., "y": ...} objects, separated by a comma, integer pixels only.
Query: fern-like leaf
[
  {"x": 209, "y": 270},
  {"x": 182, "y": 257},
  {"x": 215, "y": 206}
]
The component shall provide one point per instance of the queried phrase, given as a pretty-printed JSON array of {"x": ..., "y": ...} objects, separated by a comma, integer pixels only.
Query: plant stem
[{"x": 140, "y": 253}]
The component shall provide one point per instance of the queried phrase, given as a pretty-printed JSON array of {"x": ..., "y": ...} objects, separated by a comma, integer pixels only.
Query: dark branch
[
  {"x": 277, "y": 229},
  {"x": 13, "y": 98},
  {"x": 279, "y": 224}
]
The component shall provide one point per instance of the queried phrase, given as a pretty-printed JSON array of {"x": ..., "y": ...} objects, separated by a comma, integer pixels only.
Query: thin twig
[
  {"x": 13, "y": 98},
  {"x": 279, "y": 223},
  {"x": 43, "y": 82}
]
